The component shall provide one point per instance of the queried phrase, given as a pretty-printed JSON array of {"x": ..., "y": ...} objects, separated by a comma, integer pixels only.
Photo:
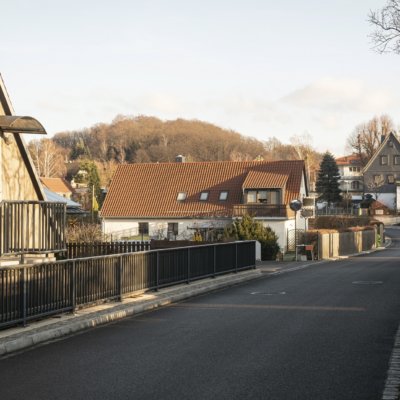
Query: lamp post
[{"x": 295, "y": 205}]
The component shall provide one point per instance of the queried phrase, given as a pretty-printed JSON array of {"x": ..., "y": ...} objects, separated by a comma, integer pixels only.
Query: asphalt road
[{"x": 325, "y": 332}]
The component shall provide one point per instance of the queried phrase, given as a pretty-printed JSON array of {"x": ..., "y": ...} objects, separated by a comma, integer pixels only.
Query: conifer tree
[
  {"x": 248, "y": 228},
  {"x": 327, "y": 185}
]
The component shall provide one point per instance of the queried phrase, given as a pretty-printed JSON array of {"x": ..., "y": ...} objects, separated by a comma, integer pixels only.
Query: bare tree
[
  {"x": 366, "y": 137},
  {"x": 47, "y": 157},
  {"x": 375, "y": 185},
  {"x": 386, "y": 37}
]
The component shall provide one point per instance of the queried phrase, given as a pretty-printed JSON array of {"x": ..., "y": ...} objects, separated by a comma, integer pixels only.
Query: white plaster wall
[
  {"x": 303, "y": 191},
  {"x": 281, "y": 228},
  {"x": 398, "y": 197},
  {"x": 158, "y": 228}
]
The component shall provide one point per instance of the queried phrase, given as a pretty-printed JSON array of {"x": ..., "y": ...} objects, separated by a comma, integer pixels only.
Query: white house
[{"x": 182, "y": 199}]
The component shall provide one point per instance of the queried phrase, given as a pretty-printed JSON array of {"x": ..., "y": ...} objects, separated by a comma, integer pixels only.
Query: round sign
[{"x": 295, "y": 205}]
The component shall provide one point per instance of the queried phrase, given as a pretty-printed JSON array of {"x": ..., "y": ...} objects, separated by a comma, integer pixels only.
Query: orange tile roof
[
  {"x": 262, "y": 179},
  {"x": 151, "y": 190},
  {"x": 57, "y": 185},
  {"x": 353, "y": 159}
]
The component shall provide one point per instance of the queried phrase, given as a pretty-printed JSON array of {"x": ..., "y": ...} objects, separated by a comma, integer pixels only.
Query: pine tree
[{"x": 327, "y": 185}]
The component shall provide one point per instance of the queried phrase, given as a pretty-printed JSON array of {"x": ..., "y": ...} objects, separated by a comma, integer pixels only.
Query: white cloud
[{"x": 339, "y": 94}]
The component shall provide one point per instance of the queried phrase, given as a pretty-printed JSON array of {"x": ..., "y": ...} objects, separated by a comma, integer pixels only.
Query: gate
[{"x": 294, "y": 236}]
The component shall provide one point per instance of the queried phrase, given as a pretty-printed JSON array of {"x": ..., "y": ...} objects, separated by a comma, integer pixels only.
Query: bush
[
  {"x": 83, "y": 233},
  {"x": 249, "y": 229},
  {"x": 340, "y": 222}
]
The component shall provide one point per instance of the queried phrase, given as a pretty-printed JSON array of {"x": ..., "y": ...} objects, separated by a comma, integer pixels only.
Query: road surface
[{"x": 325, "y": 332}]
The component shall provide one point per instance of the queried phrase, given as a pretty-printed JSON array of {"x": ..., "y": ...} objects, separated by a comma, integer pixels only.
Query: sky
[{"x": 263, "y": 68}]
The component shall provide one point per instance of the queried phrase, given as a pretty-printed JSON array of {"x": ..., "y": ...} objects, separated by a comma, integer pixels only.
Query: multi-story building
[{"x": 351, "y": 176}]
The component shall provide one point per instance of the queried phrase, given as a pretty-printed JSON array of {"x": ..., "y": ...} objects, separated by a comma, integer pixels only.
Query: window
[
  {"x": 355, "y": 185},
  {"x": 172, "y": 232},
  {"x": 204, "y": 196},
  {"x": 223, "y": 196},
  {"x": 143, "y": 228},
  {"x": 354, "y": 169},
  {"x": 390, "y": 178},
  {"x": 390, "y": 143},
  {"x": 377, "y": 179},
  {"x": 384, "y": 160},
  {"x": 181, "y": 196},
  {"x": 396, "y": 160},
  {"x": 264, "y": 196},
  {"x": 252, "y": 196}
]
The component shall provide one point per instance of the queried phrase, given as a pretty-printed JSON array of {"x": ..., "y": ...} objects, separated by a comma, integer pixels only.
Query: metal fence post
[
  {"x": 24, "y": 304},
  {"x": 73, "y": 286},
  {"x": 120, "y": 278},
  {"x": 236, "y": 257},
  {"x": 188, "y": 266},
  {"x": 215, "y": 260},
  {"x": 158, "y": 270}
]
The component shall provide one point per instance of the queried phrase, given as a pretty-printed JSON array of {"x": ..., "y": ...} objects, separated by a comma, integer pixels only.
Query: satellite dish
[{"x": 295, "y": 205}]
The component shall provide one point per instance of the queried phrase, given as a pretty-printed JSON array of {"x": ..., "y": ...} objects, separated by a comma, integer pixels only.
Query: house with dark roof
[
  {"x": 179, "y": 200},
  {"x": 382, "y": 173}
]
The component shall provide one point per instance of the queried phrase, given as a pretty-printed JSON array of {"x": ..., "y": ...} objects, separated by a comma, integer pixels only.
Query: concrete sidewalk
[{"x": 53, "y": 328}]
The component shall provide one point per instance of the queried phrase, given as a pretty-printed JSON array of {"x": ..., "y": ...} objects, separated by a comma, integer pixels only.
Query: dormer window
[
  {"x": 223, "y": 196},
  {"x": 204, "y": 196},
  {"x": 264, "y": 196},
  {"x": 181, "y": 196}
]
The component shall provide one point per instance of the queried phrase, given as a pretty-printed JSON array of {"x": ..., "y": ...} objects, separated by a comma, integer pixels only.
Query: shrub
[
  {"x": 340, "y": 222},
  {"x": 249, "y": 229},
  {"x": 83, "y": 233}
]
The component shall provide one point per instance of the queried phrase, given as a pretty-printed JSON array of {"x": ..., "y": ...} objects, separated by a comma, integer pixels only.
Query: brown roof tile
[
  {"x": 151, "y": 190},
  {"x": 262, "y": 179},
  {"x": 353, "y": 159},
  {"x": 57, "y": 185}
]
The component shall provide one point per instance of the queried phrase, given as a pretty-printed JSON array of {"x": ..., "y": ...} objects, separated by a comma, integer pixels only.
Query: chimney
[{"x": 180, "y": 159}]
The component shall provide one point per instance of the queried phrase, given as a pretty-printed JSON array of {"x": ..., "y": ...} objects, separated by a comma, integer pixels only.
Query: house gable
[
  {"x": 384, "y": 167},
  {"x": 58, "y": 185},
  {"x": 19, "y": 180}
]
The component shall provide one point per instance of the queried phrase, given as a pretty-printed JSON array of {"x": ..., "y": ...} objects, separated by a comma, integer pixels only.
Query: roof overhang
[{"x": 17, "y": 124}]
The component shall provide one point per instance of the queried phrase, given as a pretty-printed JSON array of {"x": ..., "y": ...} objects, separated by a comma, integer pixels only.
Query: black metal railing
[
  {"x": 79, "y": 250},
  {"x": 31, "y": 292},
  {"x": 262, "y": 210},
  {"x": 31, "y": 227}
]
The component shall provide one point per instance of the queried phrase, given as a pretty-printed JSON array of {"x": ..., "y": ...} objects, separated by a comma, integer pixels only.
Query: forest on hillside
[{"x": 148, "y": 139}]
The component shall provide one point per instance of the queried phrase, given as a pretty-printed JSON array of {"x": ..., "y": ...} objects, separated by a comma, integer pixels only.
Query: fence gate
[{"x": 291, "y": 238}]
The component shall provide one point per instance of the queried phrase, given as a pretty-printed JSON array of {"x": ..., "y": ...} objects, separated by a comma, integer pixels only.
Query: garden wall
[{"x": 333, "y": 245}]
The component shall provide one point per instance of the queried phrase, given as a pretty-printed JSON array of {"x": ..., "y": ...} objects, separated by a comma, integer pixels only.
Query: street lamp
[{"x": 295, "y": 205}]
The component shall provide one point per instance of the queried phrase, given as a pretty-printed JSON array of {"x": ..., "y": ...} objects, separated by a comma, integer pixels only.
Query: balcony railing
[
  {"x": 263, "y": 210},
  {"x": 32, "y": 227}
]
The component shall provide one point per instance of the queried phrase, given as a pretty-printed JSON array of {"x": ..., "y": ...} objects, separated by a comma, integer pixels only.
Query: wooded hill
[{"x": 148, "y": 139}]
